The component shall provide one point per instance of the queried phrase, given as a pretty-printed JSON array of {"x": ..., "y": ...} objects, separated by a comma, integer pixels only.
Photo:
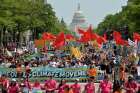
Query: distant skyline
[{"x": 94, "y": 10}]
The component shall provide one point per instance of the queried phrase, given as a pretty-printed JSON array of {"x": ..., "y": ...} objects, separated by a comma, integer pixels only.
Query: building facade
[{"x": 78, "y": 21}]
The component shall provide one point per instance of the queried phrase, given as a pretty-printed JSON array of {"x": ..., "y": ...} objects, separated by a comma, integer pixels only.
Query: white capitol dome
[{"x": 78, "y": 21}]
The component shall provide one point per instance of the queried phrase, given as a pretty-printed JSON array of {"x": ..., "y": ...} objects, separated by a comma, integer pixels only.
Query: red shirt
[
  {"x": 76, "y": 88},
  {"x": 62, "y": 88},
  {"x": 13, "y": 89},
  {"x": 50, "y": 84},
  {"x": 90, "y": 88},
  {"x": 105, "y": 86},
  {"x": 5, "y": 83},
  {"x": 132, "y": 86},
  {"x": 37, "y": 85},
  {"x": 27, "y": 84}
]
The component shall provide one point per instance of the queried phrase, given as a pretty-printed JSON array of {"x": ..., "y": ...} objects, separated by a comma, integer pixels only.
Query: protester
[
  {"x": 68, "y": 90},
  {"x": 28, "y": 71},
  {"x": 4, "y": 83},
  {"x": 105, "y": 86},
  {"x": 19, "y": 71},
  {"x": 27, "y": 85},
  {"x": 109, "y": 69},
  {"x": 92, "y": 58},
  {"x": 138, "y": 88},
  {"x": 62, "y": 86},
  {"x": 50, "y": 85},
  {"x": 13, "y": 87},
  {"x": 76, "y": 88},
  {"x": 36, "y": 87},
  {"x": 122, "y": 73},
  {"x": 90, "y": 87},
  {"x": 133, "y": 70},
  {"x": 117, "y": 88},
  {"x": 131, "y": 85}
]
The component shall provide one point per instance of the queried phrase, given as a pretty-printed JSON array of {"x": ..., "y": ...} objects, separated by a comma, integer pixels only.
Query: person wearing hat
[
  {"x": 13, "y": 87},
  {"x": 76, "y": 88},
  {"x": 131, "y": 85}
]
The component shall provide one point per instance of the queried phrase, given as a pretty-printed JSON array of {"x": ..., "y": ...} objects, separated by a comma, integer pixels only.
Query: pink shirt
[
  {"x": 90, "y": 88},
  {"x": 61, "y": 89},
  {"x": 76, "y": 88},
  {"x": 13, "y": 89},
  {"x": 133, "y": 85},
  {"x": 105, "y": 86},
  {"x": 5, "y": 83},
  {"x": 50, "y": 84},
  {"x": 37, "y": 85},
  {"x": 27, "y": 84}
]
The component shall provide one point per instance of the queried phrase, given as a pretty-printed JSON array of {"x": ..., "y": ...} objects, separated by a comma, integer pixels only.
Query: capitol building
[{"x": 78, "y": 21}]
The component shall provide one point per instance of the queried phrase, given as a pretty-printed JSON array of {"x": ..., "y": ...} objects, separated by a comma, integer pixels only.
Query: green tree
[
  {"x": 19, "y": 16},
  {"x": 129, "y": 16}
]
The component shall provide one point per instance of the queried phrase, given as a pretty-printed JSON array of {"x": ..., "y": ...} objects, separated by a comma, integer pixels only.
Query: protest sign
[{"x": 57, "y": 73}]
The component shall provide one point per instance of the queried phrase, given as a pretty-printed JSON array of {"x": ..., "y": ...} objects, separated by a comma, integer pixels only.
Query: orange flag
[{"x": 40, "y": 43}]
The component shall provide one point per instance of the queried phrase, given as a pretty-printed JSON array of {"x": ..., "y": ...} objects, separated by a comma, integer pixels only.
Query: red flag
[
  {"x": 44, "y": 36},
  {"x": 101, "y": 40},
  {"x": 105, "y": 36},
  {"x": 85, "y": 36},
  {"x": 69, "y": 37},
  {"x": 83, "y": 39},
  {"x": 89, "y": 29},
  {"x": 60, "y": 41},
  {"x": 81, "y": 31},
  {"x": 116, "y": 35},
  {"x": 118, "y": 38},
  {"x": 95, "y": 36},
  {"x": 48, "y": 36},
  {"x": 136, "y": 37},
  {"x": 120, "y": 41}
]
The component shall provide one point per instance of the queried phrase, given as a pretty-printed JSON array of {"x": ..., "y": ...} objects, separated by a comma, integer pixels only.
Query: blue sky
[{"x": 94, "y": 10}]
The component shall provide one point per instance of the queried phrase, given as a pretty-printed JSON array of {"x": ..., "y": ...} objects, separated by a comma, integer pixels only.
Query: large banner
[{"x": 41, "y": 73}]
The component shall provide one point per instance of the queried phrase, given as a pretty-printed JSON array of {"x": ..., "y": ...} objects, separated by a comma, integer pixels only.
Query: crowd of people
[
  {"x": 105, "y": 59},
  {"x": 52, "y": 86}
]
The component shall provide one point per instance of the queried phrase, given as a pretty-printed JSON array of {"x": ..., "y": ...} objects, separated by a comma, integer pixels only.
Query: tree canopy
[
  {"x": 129, "y": 17},
  {"x": 22, "y": 15}
]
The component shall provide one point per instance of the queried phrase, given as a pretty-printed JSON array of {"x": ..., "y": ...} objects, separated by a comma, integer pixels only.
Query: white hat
[
  {"x": 76, "y": 79},
  {"x": 14, "y": 79},
  {"x": 130, "y": 76}
]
